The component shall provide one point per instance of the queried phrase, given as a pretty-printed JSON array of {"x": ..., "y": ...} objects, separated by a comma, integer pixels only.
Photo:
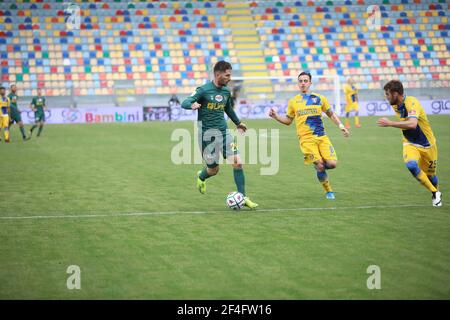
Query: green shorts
[
  {"x": 214, "y": 142},
  {"x": 16, "y": 117},
  {"x": 39, "y": 116}
]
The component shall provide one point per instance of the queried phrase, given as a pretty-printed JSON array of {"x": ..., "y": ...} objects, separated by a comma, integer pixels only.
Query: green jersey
[
  {"x": 38, "y": 103},
  {"x": 13, "y": 98},
  {"x": 214, "y": 102}
]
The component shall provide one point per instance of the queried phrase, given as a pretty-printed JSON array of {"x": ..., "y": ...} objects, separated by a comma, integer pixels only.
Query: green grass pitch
[{"x": 184, "y": 245}]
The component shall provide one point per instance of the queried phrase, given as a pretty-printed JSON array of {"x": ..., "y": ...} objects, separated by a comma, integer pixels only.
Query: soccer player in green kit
[
  {"x": 15, "y": 112},
  {"x": 39, "y": 108},
  {"x": 212, "y": 100}
]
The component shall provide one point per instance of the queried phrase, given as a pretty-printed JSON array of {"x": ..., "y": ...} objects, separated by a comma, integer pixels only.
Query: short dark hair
[
  {"x": 305, "y": 73},
  {"x": 2, "y": 87},
  {"x": 222, "y": 66},
  {"x": 394, "y": 86}
]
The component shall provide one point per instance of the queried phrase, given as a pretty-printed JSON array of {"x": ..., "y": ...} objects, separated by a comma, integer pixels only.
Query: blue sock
[
  {"x": 433, "y": 180},
  {"x": 413, "y": 167},
  {"x": 322, "y": 176}
]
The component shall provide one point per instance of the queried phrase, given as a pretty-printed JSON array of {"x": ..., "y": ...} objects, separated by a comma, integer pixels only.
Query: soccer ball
[{"x": 235, "y": 200}]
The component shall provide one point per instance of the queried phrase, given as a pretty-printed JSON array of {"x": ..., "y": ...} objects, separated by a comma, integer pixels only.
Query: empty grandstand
[{"x": 139, "y": 53}]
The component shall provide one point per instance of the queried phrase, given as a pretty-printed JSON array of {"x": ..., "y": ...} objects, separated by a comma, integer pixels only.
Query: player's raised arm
[{"x": 193, "y": 101}]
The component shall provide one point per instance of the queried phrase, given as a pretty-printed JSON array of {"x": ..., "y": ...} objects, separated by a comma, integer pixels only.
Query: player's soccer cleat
[
  {"x": 347, "y": 126},
  {"x": 201, "y": 185},
  {"x": 249, "y": 203},
  {"x": 357, "y": 126},
  {"x": 437, "y": 199},
  {"x": 330, "y": 195}
]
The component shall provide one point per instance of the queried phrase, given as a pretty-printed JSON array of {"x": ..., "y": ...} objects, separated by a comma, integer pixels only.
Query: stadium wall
[{"x": 245, "y": 111}]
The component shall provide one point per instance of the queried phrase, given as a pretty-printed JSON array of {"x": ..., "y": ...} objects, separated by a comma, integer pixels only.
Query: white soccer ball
[{"x": 235, "y": 200}]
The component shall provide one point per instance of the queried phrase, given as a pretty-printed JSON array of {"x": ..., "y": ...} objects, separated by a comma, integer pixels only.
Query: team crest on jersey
[
  {"x": 218, "y": 98},
  {"x": 314, "y": 100}
]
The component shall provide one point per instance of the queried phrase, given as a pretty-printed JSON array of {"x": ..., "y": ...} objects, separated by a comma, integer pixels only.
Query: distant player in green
[
  {"x": 39, "y": 107},
  {"x": 212, "y": 100},
  {"x": 15, "y": 116}
]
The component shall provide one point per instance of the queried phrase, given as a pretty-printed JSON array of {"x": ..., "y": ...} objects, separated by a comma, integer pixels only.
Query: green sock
[
  {"x": 239, "y": 179},
  {"x": 204, "y": 174},
  {"x": 32, "y": 128},
  {"x": 22, "y": 130},
  {"x": 40, "y": 130}
]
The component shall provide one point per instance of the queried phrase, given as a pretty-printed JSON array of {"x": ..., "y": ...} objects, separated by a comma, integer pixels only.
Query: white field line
[{"x": 131, "y": 214}]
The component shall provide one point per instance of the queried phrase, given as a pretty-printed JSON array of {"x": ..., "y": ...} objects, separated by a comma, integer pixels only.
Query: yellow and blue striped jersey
[
  {"x": 307, "y": 110},
  {"x": 422, "y": 135},
  {"x": 351, "y": 93},
  {"x": 4, "y": 106}
]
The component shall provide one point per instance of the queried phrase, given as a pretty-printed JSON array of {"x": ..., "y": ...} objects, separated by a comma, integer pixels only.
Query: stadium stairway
[{"x": 248, "y": 48}]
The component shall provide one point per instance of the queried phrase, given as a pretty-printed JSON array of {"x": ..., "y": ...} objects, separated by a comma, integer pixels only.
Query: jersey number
[{"x": 432, "y": 164}]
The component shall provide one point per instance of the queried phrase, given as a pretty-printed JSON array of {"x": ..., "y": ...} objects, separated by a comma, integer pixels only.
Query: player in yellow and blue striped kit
[
  {"x": 419, "y": 144},
  {"x": 4, "y": 113},
  {"x": 306, "y": 109},
  {"x": 351, "y": 103}
]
